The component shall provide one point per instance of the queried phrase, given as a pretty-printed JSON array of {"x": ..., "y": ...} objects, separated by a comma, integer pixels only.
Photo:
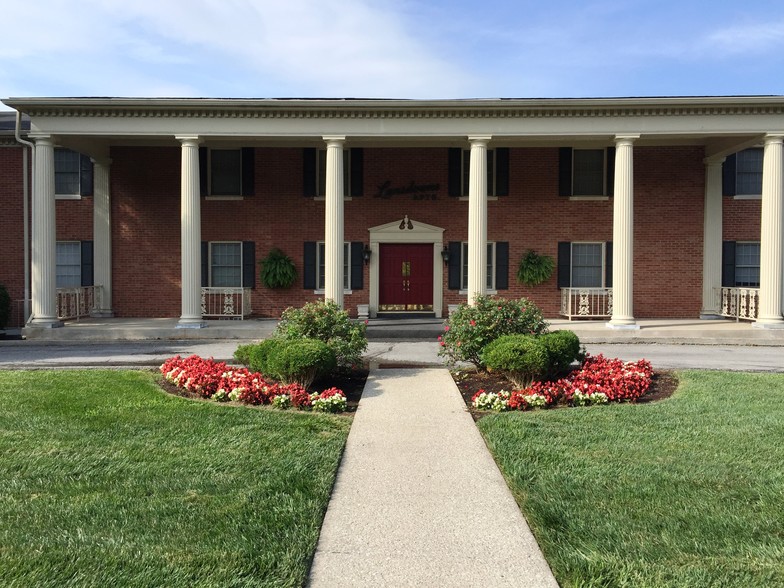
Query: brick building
[{"x": 650, "y": 207}]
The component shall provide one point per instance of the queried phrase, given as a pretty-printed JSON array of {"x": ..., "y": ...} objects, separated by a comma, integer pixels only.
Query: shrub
[
  {"x": 328, "y": 323},
  {"x": 5, "y": 307},
  {"x": 242, "y": 353},
  {"x": 298, "y": 361},
  {"x": 470, "y": 328},
  {"x": 258, "y": 353},
  {"x": 563, "y": 348},
  {"x": 522, "y": 357}
]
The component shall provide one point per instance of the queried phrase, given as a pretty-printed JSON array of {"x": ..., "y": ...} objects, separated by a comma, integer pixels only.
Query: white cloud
[{"x": 748, "y": 38}]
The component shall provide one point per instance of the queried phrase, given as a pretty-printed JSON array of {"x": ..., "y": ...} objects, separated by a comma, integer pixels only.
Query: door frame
[{"x": 419, "y": 233}]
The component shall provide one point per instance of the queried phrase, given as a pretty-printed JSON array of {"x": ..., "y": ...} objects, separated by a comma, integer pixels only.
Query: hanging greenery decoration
[
  {"x": 534, "y": 268},
  {"x": 277, "y": 270}
]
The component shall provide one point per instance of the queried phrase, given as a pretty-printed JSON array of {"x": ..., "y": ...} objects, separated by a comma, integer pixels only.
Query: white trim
[
  {"x": 67, "y": 196},
  {"x": 589, "y": 198},
  {"x": 421, "y": 233},
  {"x": 747, "y": 197}
]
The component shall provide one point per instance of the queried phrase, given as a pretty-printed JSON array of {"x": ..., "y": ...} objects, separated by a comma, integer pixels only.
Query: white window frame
[
  {"x": 603, "y": 195},
  {"x": 491, "y": 263},
  {"x": 321, "y": 174},
  {"x": 465, "y": 174},
  {"x": 744, "y": 195},
  {"x": 320, "y": 253},
  {"x": 58, "y": 282},
  {"x": 737, "y": 265},
  {"x": 210, "y": 264},
  {"x": 210, "y": 195},
  {"x": 69, "y": 196},
  {"x": 603, "y": 254}
]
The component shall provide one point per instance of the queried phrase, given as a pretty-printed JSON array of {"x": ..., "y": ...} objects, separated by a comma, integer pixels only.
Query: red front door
[{"x": 406, "y": 277}]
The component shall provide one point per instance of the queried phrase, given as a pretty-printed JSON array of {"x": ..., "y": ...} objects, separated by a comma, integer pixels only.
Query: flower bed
[
  {"x": 599, "y": 380},
  {"x": 218, "y": 381}
]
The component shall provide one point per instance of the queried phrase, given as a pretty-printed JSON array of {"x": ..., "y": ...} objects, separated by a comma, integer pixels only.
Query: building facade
[{"x": 660, "y": 207}]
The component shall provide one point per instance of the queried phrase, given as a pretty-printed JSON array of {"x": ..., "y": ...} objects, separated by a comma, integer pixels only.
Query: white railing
[
  {"x": 225, "y": 302},
  {"x": 75, "y": 303},
  {"x": 739, "y": 303},
  {"x": 586, "y": 302}
]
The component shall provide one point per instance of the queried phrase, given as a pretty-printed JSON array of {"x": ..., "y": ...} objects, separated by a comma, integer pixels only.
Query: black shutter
[
  {"x": 205, "y": 264},
  {"x": 248, "y": 264},
  {"x": 87, "y": 263},
  {"x": 610, "y": 171},
  {"x": 204, "y": 161},
  {"x": 564, "y": 174},
  {"x": 455, "y": 262},
  {"x": 85, "y": 175},
  {"x": 357, "y": 262},
  {"x": 564, "y": 264},
  {"x": 728, "y": 183},
  {"x": 309, "y": 173},
  {"x": 248, "y": 171},
  {"x": 728, "y": 264},
  {"x": 502, "y": 171},
  {"x": 455, "y": 172},
  {"x": 309, "y": 266},
  {"x": 357, "y": 173},
  {"x": 502, "y": 265},
  {"x": 608, "y": 265}
]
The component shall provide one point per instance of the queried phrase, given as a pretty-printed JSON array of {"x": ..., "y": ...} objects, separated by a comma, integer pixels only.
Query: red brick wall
[
  {"x": 12, "y": 225},
  {"x": 669, "y": 187}
]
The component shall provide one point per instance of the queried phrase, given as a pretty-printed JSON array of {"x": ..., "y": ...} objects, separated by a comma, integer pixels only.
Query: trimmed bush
[
  {"x": 563, "y": 348},
  {"x": 326, "y": 322},
  {"x": 242, "y": 353},
  {"x": 470, "y": 328},
  {"x": 258, "y": 355},
  {"x": 5, "y": 307},
  {"x": 296, "y": 361},
  {"x": 523, "y": 358}
]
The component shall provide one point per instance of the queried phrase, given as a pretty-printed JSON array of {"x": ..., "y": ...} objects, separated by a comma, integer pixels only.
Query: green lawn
[
  {"x": 684, "y": 492},
  {"x": 107, "y": 481}
]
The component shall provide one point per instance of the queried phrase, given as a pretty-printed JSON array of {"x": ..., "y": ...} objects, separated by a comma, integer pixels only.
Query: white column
[
  {"x": 44, "y": 249},
  {"x": 102, "y": 237},
  {"x": 711, "y": 244},
  {"x": 333, "y": 222},
  {"x": 477, "y": 219},
  {"x": 623, "y": 235},
  {"x": 772, "y": 236},
  {"x": 190, "y": 234}
]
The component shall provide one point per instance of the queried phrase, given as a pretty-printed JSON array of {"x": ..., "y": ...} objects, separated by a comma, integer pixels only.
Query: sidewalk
[{"x": 419, "y": 500}]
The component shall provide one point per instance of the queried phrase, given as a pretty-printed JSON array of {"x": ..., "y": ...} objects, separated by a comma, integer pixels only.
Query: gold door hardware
[{"x": 406, "y": 270}]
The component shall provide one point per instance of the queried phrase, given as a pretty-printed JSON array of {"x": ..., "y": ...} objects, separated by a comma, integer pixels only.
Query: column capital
[
  {"x": 334, "y": 139},
  {"x": 771, "y": 138},
  {"x": 626, "y": 138},
  {"x": 479, "y": 139},
  {"x": 189, "y": 140},
  {"x": 104, "y": 161},
  {"x": 714, "y": 160},
  {"x": 42, "y": 138}
]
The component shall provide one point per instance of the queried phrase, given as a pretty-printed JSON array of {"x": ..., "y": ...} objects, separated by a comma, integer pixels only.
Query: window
[
  {"x": 466, "y": 172},
  {"x": 321, "y": 172},
  {"x": 586, "y": 172},
  {"x": 320, "y": 264},
  {"x": 73, "y": 174},
  {"x": 587, "y": 267},
  {"x": 226, "y": 264},
  {"x": 748, "y": 172},
  {"x": 747, "y": 264},
  {"x": 69, "y": 264},
  {"x": 491, "y": 265},
  {"x": 225, "y": 172}
]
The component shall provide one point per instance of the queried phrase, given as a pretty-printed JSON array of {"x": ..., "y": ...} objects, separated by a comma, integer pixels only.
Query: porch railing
[
  {"x": 231, "y": 303},
  {"x": 739, "y": 303},
  {"x": 75, "y": 303},
  {"x": 586, "y": 302}
]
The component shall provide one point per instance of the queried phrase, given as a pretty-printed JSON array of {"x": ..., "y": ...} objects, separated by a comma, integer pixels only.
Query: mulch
[{"x": 469, "y": 382}]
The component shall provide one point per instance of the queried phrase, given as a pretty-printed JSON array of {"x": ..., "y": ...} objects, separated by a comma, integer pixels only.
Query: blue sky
[{"x": 392, "y": 49}]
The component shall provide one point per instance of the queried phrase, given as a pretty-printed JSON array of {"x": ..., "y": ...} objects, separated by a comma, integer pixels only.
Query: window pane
[
  {"x": 226, "y": 172},
  {"x": 588, "y": 177},
  {"x": 69, "y": 264},
  {"x": 66, "y": 171},
  {"x": 346, "y": 266},
  {"x": 464, "y": 270},
  {"x": 490, "y": 172},
  {"x": 320, "y": 258},
  {"x": 747, "y": 262},
  {"x": 586, "y": 265},
  {"x": 321, "y": 266},
  {"x": 490, "y": 264},
  {"x": 226, "y": 265},
  {"x": 749, "y": 171}
]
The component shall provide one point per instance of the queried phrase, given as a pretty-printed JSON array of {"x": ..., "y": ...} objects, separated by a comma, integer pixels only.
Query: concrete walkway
[{"x": 418, "y": 499}]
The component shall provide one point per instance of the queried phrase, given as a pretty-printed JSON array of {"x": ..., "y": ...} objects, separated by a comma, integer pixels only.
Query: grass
[
  {"x": 685, "y": 492},
  {"x": 107, "y": 481}
]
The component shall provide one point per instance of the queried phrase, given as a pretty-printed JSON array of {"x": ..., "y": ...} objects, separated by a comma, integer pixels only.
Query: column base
[
  {"x": 709, "y": 315},
  {"x": 191, "y": 323},
  {"x": 768, "y": 324},
  {"x": 623, "y": 325},
  {"x": 45, "y": 323}
]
